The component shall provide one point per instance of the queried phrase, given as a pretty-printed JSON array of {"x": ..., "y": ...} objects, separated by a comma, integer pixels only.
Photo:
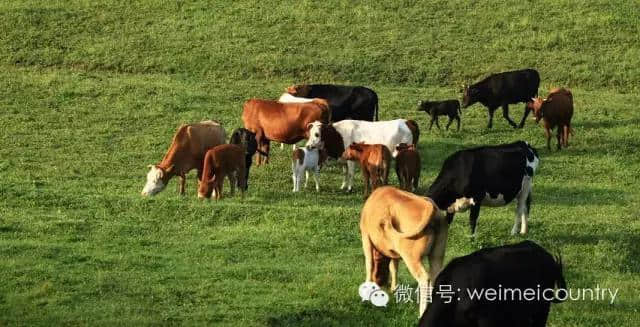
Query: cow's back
[
  {"x": 558, "y": 108},
  {"x": 513, "y": 86},
  {"x": 204, "y": 136},
  {"x": 389, "y": 133}
]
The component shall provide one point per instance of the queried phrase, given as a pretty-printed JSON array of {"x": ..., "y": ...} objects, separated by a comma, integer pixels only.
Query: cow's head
[
  {"x": 314, "y": 132},
  {"x": 402, "y": 147},
  {"x": 380, "y": 268},
  {"x": 300, "y": 90},
  {"x": 205, "y": 186},
  {"x": 536, "y": 105},
  {"x": 469, "y": 95},
  {"x": 353, "y": 152},
  {"x": 424, "y": 106},
  {"x": 157, "y": 179}
]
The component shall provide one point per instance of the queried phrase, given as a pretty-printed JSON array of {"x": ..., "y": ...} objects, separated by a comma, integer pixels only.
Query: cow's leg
[
  {"x": 181, "y": 185},
  {"x": 393, "y": 270},
  {"x": 547, "y": 134},
  {"x": 491, "y": 111},
  {"x": 351, "y": 169},
  {"x": 559, "y": 136},
  {"x": 522, "y": 207},
  {"x": 232, "y": 182},
  {"x": 306, "y": 178},
  {"x": 345, "y": 171},
  {"x": 367, "y": 248},
  {"x": 458, "y": 123},
  {"x": 437, "y": 123},
  {"x": 524, "y": 116},
  {"x": 473, "y": 218},
  {"x": 433, "y": 118},
  {"x": 365, "y": 178},
  {"x": 437, "y": 252},
  {"x": 418, "y": 272},
  {"x": 505, "y": 114},
  {"x": 267, "y": 146},
  {"x": 565, "y": 138},
  {"x": 315, "y": 179},
  {"x": 385, "y": 175},
  {"x": 449, "y": 122}
]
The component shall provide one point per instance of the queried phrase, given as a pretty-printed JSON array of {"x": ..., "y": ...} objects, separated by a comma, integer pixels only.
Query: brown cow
[
  {"x": 407, "y": 166},
  {"x": 555, "y": 111},
  {"x": 374, "y": 162},
  {"x": 282, "y": 122},
  {"x": 187, "y": 150},
  {"x": 396, "y": 224},
  {"x": 220, "y": 162}
]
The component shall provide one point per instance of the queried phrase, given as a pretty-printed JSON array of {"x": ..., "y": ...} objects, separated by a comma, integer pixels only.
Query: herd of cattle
[{"x": 341, "y": 122}]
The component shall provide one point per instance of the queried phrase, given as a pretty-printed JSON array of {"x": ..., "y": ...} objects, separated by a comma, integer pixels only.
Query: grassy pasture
[{"x": 92, "y": 92}]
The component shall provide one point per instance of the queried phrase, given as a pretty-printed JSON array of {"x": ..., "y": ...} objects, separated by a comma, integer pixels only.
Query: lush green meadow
[{"x": 92, "y": 92}]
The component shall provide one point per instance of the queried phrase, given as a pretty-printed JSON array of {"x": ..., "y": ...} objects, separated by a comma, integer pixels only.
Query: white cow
[{"x": 337, "y": 136}]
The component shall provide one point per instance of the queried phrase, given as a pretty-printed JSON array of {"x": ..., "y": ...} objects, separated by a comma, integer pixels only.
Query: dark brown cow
[
  {"x": 225, "y": 160},
  {"x": 555, "y": 111},
  {"x": 187, "y": 150},
  {"x": 415, "y": 130},
  {"x": 374, "y": 162},
  {"x": 407, "y": 166},
  {"x": 282, "y": 122}
]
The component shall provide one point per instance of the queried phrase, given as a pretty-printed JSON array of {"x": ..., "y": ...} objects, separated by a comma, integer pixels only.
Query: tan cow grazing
[
  {"x": 374, "y": 159},
  {"x": 407, "y": 166},
  {"x": 186, "y": 152},
  {"x": 555, "y": 111},
  {"x": 226, "y": 160},
  {"x": 282, "y": 122},
  {"x": 397, "y": 224}
]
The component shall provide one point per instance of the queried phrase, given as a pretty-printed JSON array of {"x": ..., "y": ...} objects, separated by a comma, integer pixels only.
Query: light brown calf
[
  {"x": 396, "y": 224},
  {"x": 374, "y": 159},
  {"x": 555, "y": 111},
  {"x": 219, "y": 162},
  {"x": 407, "y": 166}
]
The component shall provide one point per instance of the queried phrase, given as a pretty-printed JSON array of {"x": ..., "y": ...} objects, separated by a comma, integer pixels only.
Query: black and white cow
[
  {"x": 523, "y": 277},
  {"x": 346, "y": 102},
  {"x": 502, "y": 89},
  {"x": 247, "y": 140},
  {"x": 492, "y": 176}
]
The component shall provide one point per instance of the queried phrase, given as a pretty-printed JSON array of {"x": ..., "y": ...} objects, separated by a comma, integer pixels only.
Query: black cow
[
  {"x": 513, "y": 272},
  {"x": 502, "y": 89},
  {"x": 449, "y": 108},
  {"x": 346, "y": 102},
  {"x": 247, "y": 140},
  {"x": 490, "y": 175}
]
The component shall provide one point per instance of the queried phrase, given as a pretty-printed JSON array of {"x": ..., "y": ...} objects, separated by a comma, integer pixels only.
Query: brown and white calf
[
  {"x": 374, "y": 162},
  {"x": 186, "y": 152},
  {"x": 407, "y": 166},
  {"x": 226, "y": 160},
  {"x": 555, "y": 111},
  {"x": 303, "y": 161}
]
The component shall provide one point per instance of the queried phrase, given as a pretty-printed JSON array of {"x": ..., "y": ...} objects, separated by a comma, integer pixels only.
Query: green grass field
[{"x": 92, "y": 92}]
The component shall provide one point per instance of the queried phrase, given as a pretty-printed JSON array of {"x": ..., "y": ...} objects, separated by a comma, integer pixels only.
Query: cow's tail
[
  {"x": 426, "y": 218},
  {"x": 561, "y": 284},
  {"x": 415, "y": 130}
]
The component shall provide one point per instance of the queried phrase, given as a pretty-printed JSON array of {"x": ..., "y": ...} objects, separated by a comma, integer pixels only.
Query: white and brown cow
[
  {"x": 186, "y": 152},
  {"x": 337, "y": 136}
]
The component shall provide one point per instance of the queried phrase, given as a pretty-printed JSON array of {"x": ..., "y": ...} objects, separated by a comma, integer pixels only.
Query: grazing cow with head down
[
  {"x": 555, "y": 111},
  {"x": 186, "y": 152},
  {"x": 502, "y": 89},
  {"x": 346, "y": 102},
  {"x": 224, "y": 160},
  {"x": 407, "y": 166},
  {"x": 517, "y": 285},
  {"x": 396, "y": 224},
  {"x": 282, "y": 122},
  {"x": 337, "y": 136},
  {"x": 492, "y": 176},
  {"x": 307, "y": 159},
  {"x": 374, "y": 159},
  {"x": 434, "y": 109}
]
